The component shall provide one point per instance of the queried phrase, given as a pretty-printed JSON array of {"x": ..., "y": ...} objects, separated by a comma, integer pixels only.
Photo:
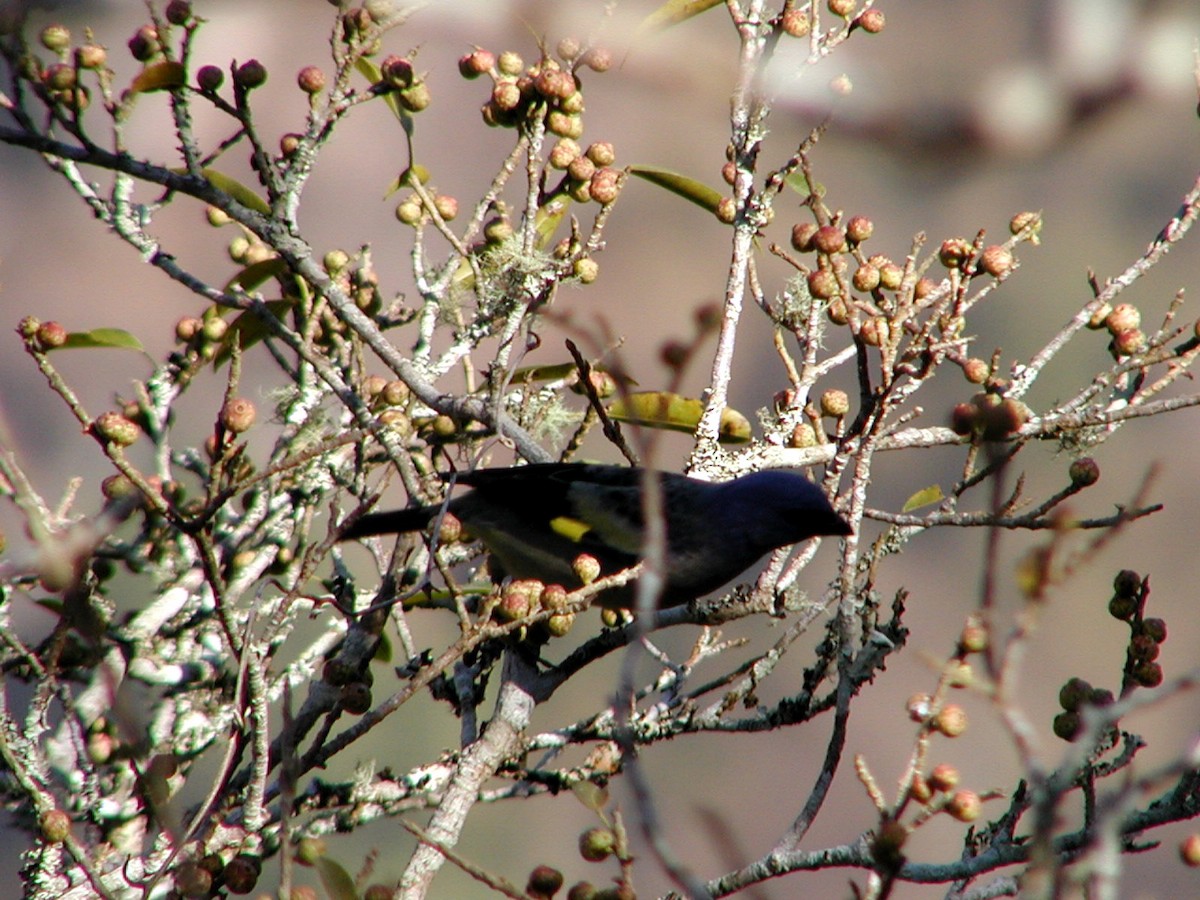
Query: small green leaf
[
  {"x": 255, "y": 274},
  {"x": 401, "y": 180},
  {"x": 383, "y": 653},
  {"x": 687, "y": 188},
  {"x": 163, "y": 76},
  {"x": 662, "y": 409},
  {"x": 675, "y": 11},
  {"x": 374, "y": 74},
  {"x": 548, "y": 218},
  {"x": 248, "y": 329},
  {"x": 798, "y": 183},
  {"x": 590, "y": 795},
  {"x": 103, "y": 337},
  {"x": 233, "y": 188},
  {"x": 924, "y": 497},
  {"x": 337, "y": 881}
]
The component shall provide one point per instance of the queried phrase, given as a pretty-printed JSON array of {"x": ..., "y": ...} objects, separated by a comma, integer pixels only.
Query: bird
[{"x": 536, "y": 519}]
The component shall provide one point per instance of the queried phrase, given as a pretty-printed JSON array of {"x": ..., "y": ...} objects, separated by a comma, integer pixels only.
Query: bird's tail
[{"x": 398, "y": 521}]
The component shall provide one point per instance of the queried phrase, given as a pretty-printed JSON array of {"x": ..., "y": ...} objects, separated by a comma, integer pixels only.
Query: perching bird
[{"x": 536, "y": 519}]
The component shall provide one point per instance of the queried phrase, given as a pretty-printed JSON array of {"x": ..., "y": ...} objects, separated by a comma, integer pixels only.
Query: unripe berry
[
  {"x": 544, "y": 880},
  {"x": 586, "y": 270},
  {"x": 1128, "y": 583},
  {"x": 214, "y": 328},
  {"x": 581, "y": 168},
  {"x": 598, "y": 59},
  {"x": 209, "y": 78},
  {"x": 91, "y": 56},
  {"x": 50, "y": 335},
  {"x": 919, "y": 707},
  {"x": 1084, "y": 472},
  {"x": 835, "y": 403},
  {"x": 871, "y": 21},
  {"x": 250, "y": 74},
  {"x": 597, "y": 844},
  {"x": 116, "y": 429},
  {"x": 586, "y": 568},
  {"x": 865, "y": 279},
  {"x": 1148, "y": 674},
  {"x": 54, "y": 825},
  {"x": 859, "y": 229},
  {"x": 1155, "y": 629},
  {"x": 144, "y": 43},
  {"x": 976, "y": 370},
  {"x": 446, "y": 206},
  {"x": 996, "y": 260},
  {"x": 311, "y": 80},
  {"x": 965, "y": 806},
  {"x": 559, "y": 625},
  {"x": 1189, "y": 850},
  {"x": 480, "y": 62},
  {"x": 506, "y": 96},
  {"x": 829, "y": 239},
  {"x": 237, "y": 415},
  {"x": 951, "y": 720},
  {"x": 891, "y": 276},
  {"x": 1122, "y": 608},
  {"x": 602, "y": 153},
  {"x": 944, "y": 777},
  {"x": 822, "y": 284},
  {"x": 954, "y": 252},
  {"x": 397, "y": 71},
  {"x": 56, "y": 37},
  {"x": 1067, "y": 725},
  {"x": 563, "y": 153},
  {"x": 59, "y": 77},
  {"x": 843, "y": 8},
  {"x": 1030, "y": 222},
  {"x": 335, "y": 261},
  {"x": 1123, "y": 317},
  {"x": 802, "y": 236},
  {"x": 241, "y": 874},
  {"x": 356, "y": 697},
  {"x": 498, "y": 230},
  {"x": 410, "y": 211},
  {"x": 795, "y": 23},
  {"x": 875, "y": 331},
  {"x": 802, "y": 436},
  {"x": 416, "y": 97},
  {"x": 1074, "y": 694},
  {"x": 974, "y": 637},
  {"x": 178, "y": 12},
  {"x": 510, "y": 63},
  {"x": 518, "y": 599},
  {"x": 605, "y": 185}
]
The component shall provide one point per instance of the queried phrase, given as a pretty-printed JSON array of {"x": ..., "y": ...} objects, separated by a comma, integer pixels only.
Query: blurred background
[{"x": 961, "y": 115}]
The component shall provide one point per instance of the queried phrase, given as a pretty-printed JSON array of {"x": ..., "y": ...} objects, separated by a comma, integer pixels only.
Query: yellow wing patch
[{"x": 571, "y": 529}]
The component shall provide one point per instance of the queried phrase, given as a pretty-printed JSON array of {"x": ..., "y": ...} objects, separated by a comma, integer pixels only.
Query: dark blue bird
[{"x": 536, "y": 519}]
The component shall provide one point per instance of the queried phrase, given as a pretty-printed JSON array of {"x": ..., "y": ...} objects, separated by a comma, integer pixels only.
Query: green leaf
[
  {"x": 401, "y": 180},
  {"x": 256, "y": 273},
  {"x": 590, "y": 795},
  {"x": 687, "y": 188},
  {"x": 673, "y": 12},
  {"x": 662, "y": 409},
  {"x": 547, "y": 220},
  {"x": 374, "y": 74},
  {"x": 248, "y": 329},
  {"x": 337, "y": 881},
  {"x": 924, "y": 497},
  {"x": 383, "y": 652},
  {"x": 163, "y": 76},
  {"x": 103, "y": 337},
  {"x": 233, "y": 188}
]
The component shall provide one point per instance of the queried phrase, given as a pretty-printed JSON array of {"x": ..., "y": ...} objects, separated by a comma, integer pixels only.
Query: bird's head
[{"x": 775, "y": 508}]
